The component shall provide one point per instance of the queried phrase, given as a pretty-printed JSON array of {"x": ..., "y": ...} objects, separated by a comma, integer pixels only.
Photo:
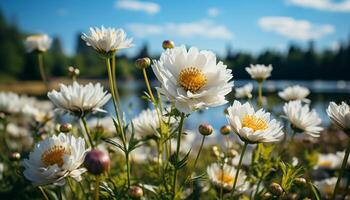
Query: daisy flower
[
  {"x": 54, "y": 159},
  {"x": 79, "y": 99},
  {"x": 295, "y": 92},
  {"x": 244, "y": 92},
  {"x": 259, "y": 72},
  {"x": 192, "y": 79},
  {"x": 107, "y": 41},
  {"x": 223, "y": 177},
  {"x": 39, "y": 43},
  {"x": 340, "y": 115},
  {"x": 303, "y": 119},
  {"x": 251, "y": 126}
]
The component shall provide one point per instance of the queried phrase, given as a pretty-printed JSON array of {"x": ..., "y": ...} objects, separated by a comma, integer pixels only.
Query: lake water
[{"x": 322, "y": 92}]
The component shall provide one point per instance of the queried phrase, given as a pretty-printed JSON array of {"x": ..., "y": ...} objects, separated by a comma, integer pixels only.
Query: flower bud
[
  {"x": 300, "y": 181},
  {"x": 66, "y": 128},
  {"x": 15, "y": 156},
  {"x": 205, "y": 129},
  {"x": 168, "y": 44},
  {"x": 135, "y": 192},
  {"x": 225, "y": 130},
  {"x": 143, "y": 63},
  {"x": 73, "y": 71},
  {"x": 97, "y": 162},
  {"x": 276, "y": 189},
  {"x": 215, "y": 151}
]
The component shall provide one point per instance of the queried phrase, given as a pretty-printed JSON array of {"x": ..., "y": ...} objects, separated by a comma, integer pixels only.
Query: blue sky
[{"x": 248, "y": 25}]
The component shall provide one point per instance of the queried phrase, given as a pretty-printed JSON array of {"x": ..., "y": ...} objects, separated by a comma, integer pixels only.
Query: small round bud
[
  {"x": 97, "y": 162},
  {"x": 205, "y": 129},
  {"x": 168, "y": 44},
  {"x": 300, "y": 181},
  {"x": 276, "y": 189},
  {"x": 215, "y": 151},
  {"x": 15, "y": 156},
  {"x": 135, "y": 192},
  {"x": 66, "y": 128},
  {"x": 73, "y": 71},
  {"x": 225, "y": 130},
  {"x": 143, "y": 63}
]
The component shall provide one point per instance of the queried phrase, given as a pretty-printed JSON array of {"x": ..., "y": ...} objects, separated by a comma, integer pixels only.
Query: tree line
[{"x": 295, "y": 64}]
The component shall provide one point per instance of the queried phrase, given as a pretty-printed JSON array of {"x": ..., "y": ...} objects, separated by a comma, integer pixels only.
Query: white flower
[
  {"x": 302, "y": 118},
  {"x": 244, "y": 91},
  {"x": 37, "y": 42},
  {"x": 146, "y": 123},
  {"x": 224, "y": 176},
  {"x": 326, "y": 186},
  {"x": 79, "y": 99},
  {"x": 107, "y": 40},
  {"x": 340, "y": 115},
  {"x": 251, "y": 126},
  {"x": 192, "y": 79},
  {"x": 106, "y": 123},
  {"x": 259, "y": 72},
  {"x": 54, "y": 159},
  {"x": 12, "y": 103},
  {"x": 295, "y": 92},
  {"x": 328, "y": 161}
]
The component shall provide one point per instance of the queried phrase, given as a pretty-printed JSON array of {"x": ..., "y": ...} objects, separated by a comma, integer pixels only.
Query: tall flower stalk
[
  {"x": 42, "y": 70},
  {"x": 115, "y": 98},
  {"x": 178, "y": 144},
  {"x": 91, "y": 142},
  {"x": 343, "y": 166},
  {"x": 238, "y": 168}
]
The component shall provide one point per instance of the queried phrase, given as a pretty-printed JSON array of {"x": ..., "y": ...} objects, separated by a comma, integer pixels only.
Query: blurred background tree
[{"x": 295, "y": 64}]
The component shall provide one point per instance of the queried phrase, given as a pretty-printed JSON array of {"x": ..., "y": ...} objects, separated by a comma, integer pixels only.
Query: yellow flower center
[
  {"x": 36, "y": 37},
  {"x": 255, "y": 123},
  {"x": 192, "y": 79},
  {"x": 54, "y": 155},
  {"x": 225, "y": 178},
  {"x": 325, "y": 163}
]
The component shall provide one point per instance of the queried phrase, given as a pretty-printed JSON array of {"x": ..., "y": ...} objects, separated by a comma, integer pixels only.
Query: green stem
[
  {"x": 42, "y": 70},
  {"x": 115, "y": 81},
  {"x": 222, "y": 178},
  {"x": 97, "y": 188},
  {"x": 343, "y": 166},
  {"x": 87, "y": 132},
  {"x": 199, "y": 152},
  {"x": 258, "y": 186},
  {"x": 177, "y": 152},
  {"x": 260, "y": 99},
  {"x": 43, "y": 193},
  {"x": 238, "y": 168}
]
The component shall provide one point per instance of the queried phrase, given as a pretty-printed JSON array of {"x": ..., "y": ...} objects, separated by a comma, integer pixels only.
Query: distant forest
[{"x": 296, "y": 64}]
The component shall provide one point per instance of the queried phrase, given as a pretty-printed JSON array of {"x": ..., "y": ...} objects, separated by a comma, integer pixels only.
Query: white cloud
[
  {"x": 135, "y": 5},
  {"x": 213, "y": 12},
  {"x": 326, "y": 5},
  {"x": 203, "y": 28},
  {"x": 295, "y": 29}
]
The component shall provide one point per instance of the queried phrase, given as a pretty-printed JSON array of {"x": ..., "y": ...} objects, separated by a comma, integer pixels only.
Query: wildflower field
[{"x": 79, "y": 141}]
